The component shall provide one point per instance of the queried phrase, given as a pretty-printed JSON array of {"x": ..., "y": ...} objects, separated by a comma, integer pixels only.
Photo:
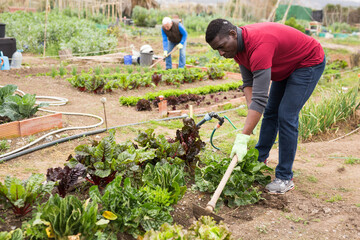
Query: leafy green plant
[
  {"x": 69, "y": 216},
  {"x": 100, "y": 159},
  {"x": 215, "y": 72},
  {"x": 20, "y": 196},
  {"x": 20, "y": 107},
  {"x": 166, "y": 176},
  {"x": 203, "y": 229},
  {"x": 131, "y": 101},
  {"x": 16, "y": 234},
  {"x": 239, "y": 189},
  {"x": 104, "y": 159},
  {"x": 292, "y": 23},
  {"x": 133, "y": 211},
  {"x": 6, "y": 91}
]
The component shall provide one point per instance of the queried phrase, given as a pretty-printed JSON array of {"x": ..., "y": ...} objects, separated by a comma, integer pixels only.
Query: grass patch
[
  {"x": 312, "y": 179},
  {"x": 335, "y": 198},
  {"x": 352, "y": 160},
  {"x": 173, "y": 124}
]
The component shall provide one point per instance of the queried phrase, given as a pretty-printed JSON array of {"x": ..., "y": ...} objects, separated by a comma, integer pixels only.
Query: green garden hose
[{"x": 213, "y": 132}]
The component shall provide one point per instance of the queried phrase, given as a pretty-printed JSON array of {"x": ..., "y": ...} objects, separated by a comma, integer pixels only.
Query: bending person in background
[
  {"x": 173, "y": 34},
  {"x": 294, "y": 62}
]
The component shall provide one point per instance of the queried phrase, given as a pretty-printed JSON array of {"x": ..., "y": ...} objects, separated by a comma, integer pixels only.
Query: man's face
[
  {"x": 226, "y": 45},
  {"x": 168, "y": 26}
]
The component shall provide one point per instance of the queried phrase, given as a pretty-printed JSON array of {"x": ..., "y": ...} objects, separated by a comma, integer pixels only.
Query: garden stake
[
  {"x": 208, "y": 211},
  {"x": 103, "y": 100}
]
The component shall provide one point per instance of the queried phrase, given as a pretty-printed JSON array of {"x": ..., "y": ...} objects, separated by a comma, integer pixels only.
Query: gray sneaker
[{"x": 279, "y": 186}]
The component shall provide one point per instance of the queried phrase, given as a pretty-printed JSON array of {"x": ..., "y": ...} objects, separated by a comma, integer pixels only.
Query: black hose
[{"x": 61, "y": 140}]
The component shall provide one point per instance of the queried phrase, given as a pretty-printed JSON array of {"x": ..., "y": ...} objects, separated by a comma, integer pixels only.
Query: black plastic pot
[{"x": 2, "y": 30}]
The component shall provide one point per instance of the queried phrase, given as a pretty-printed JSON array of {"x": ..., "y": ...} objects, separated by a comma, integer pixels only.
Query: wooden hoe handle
[
  {"x": 157, "y": 61},
  {"x": 211, "y": 204}
]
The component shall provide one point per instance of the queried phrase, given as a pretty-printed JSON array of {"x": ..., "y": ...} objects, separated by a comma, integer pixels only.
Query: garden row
[
  {"x": 98, "y": 83},
  {"x": 134, "y": 187}
]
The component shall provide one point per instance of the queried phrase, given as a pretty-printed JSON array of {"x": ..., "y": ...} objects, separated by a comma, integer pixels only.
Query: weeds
[
  {"x": 262, "y": 229},
  {"x": 4, "y": 145},
  {"x": 296, "y": 220},
  {"x": 352, "y": 160},
  {"x": 312, "y": 179},
  {"x": 335, "y": 198}
]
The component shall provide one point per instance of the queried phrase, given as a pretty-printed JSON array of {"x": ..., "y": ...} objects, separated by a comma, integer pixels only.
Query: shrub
[{"x": 292, "y": 23}]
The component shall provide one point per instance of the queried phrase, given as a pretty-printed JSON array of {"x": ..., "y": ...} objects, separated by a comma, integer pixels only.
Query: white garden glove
[
  {"x": 165, "y": 54},
  {"x": 240, "y": 146},
  {"x": 180, "y": 46}
]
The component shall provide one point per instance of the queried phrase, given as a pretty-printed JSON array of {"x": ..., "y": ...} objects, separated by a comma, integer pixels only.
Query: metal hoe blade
[{"x": 199, "y": 211}]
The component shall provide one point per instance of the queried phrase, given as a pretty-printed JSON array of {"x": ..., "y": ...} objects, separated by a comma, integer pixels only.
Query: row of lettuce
[
  {"x": 99, "y": 83},
  {"x": 134, "y": 187}
]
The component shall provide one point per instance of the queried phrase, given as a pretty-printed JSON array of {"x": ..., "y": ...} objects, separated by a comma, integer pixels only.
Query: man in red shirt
[{"x": 294, "y": 62}]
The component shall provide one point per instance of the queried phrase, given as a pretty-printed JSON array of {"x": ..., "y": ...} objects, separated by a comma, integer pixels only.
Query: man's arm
[
  {"x": 183, "y": 33},
  {"x": 256, "y": 96},
  {"x": 165, "y": 40}
]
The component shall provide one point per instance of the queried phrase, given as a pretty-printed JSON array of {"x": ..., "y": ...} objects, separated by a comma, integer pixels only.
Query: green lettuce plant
[
  {"x": 239, "y": 189},
  {"x": 133, "y": 212}
]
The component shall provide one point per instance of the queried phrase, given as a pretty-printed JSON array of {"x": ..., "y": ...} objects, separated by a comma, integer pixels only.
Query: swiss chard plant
[
  {"x": 167, "y": 176},
  {"x": 239, "y": 189},
  {"x": 21, "y": 196},
  {"x": 100, "y": 159},
  {"x": 64, "y": 217},
  {"x": 20, "y": 107},
  {"x": 133, "y": 211},
  {"x": 104, "y": 159},
  {"x": 65, "y": 177},
  {"x": 16, "y": 234}
]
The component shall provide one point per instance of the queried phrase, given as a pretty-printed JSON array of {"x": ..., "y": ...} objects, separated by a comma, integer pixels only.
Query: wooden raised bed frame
[{"x": 30, "y": 126}]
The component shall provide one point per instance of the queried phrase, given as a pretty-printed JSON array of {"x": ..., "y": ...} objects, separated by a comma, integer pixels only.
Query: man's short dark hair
[{"x": 218, "y": 27}]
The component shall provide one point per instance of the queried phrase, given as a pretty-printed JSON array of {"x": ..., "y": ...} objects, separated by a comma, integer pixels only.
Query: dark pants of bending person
[{"x": 286, "y": 99}]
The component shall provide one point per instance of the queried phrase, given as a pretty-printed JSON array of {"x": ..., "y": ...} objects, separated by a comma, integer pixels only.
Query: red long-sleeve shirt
[{"x": 279, "y": 47}]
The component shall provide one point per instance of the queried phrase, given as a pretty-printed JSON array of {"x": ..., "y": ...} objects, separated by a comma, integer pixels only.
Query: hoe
[{"x": 209, "y": 209}]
